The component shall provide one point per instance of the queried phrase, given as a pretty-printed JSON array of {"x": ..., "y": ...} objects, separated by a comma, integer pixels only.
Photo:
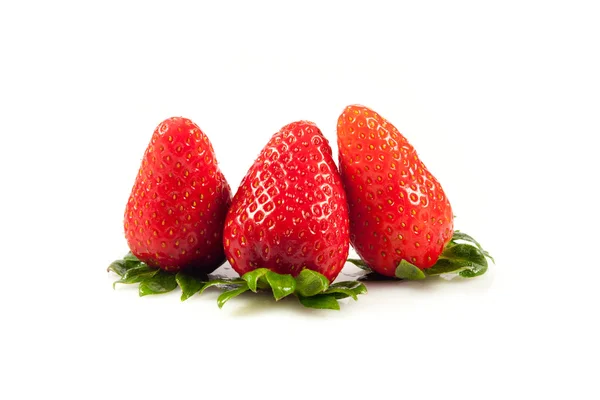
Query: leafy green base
[
  {"x": 311, "y": 288},
  {"x": 462, "y": 256}
]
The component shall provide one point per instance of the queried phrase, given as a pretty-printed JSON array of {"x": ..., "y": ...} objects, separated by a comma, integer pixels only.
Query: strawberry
[
  {"x": 290, "y": 211},
  {"x": 176, "y": 211},
  {"x": 398, "y": 210}
]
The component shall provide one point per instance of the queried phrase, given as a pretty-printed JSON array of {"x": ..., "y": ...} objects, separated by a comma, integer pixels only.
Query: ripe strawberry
[
  {"x": 290, "y": 211},
  {"x": 398, "y": 210},
  {"x": 175, "y": 214}
]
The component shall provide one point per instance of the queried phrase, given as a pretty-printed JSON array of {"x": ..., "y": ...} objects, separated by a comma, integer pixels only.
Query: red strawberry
[
  {"x": 398, "y": 210},
  {"x": 290, "y": 211},
  {"x": 175, "y": 214}
]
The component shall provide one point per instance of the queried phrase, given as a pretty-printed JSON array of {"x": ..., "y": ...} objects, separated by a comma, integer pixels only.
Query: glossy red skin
[
  {"x": 398, "y": 210},
  {"x": 176, "y": 211},
  {"x": 290, "y": 211}
]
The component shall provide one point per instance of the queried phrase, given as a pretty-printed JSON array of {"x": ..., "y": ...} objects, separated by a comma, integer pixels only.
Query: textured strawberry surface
[
  {"x": 290, "y": 212},
  {"x": 398, "y": 210},
  {"x": 176, "y": 211}
]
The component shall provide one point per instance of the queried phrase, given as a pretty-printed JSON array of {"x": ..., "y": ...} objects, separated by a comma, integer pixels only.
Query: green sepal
[
  {"x": 156, "y": 281},
  {"x": 408, "y": 271},
  {"x": 321, "y": 302},
  {"x": 252, "y": 278},
  {"x": 137, "y": 274},
  {"x": 464, "y": 259},
  {"x": 341, "y": 293},
  {"x": 463, "y": 256},
  {"x": 222, "y": 283},
  {"x": 310, "y": 283},
  {"x": 310, "y": 287},
  {"x": 230, "y": 294},
  {"x": 119, "y": 267},
  {"x": 341, "y": 290},
  {"x": 282, "y": 285},
  {"x": 458, "y": 235},
  {"x": 161, "y": 282},
  {"x": 359, "y": 263},
  {"x": 468, "y": 260},
  {"x": 189, "y": 284}
]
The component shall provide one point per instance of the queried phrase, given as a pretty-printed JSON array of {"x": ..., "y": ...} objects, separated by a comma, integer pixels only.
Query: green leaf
[
  {"x": 347, "y": 289},
  {"x": 320, "y": 301},
  {"x": 341, "y": 293},
  {"x": 119, "y": 267},
  {"x": 161, "y": 282},
  {"x": 312, "y": 288},
  {"x": 473, "y": 259},
  {"x": 467, "y": 238},
  {"x": 445, "y": 266},
  {"x": 406, "y": 270},
  {"x": 473, "y": 271},
  {"x": 464, "y": 259},
  {"x": 223, "y": 283},
  {"x": 230, "y": 294},
  {"x": 137, "y": 274},
  {"x": 252, "y": 278},
  {"x": 310, "y": 283},
  {"x": 141, "y": 270},
  {"x": 352, "y": 285},
  {"x": 189, "y": 284},
  {"x": 359, "y": 263},
  {"x": 463, "y": 255},
  {"x": 360, "y": 288},
  {"x": 282, "y": 285}
]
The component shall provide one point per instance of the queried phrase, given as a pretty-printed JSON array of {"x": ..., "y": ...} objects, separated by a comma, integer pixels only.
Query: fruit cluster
[{"x": 294, "y": 211}]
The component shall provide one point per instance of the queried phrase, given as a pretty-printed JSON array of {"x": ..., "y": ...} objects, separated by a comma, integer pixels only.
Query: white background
[{"x": 501, "y": 100}]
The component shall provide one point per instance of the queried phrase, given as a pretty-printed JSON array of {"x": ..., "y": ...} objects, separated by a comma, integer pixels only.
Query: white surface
[{"x": 501, "y": 102}]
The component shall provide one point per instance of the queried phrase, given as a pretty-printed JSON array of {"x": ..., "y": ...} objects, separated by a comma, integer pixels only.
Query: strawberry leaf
[
  {"x": 282, "y": 285},
  {"x": 230, "y": 294},
  {"x": 119, "y": 267},
  {"x": 458, "y": 235},
  {"x": 320, "y": 301},
  {"x": 161, "y": 282},
  {"x": 341, "y": 293},
  {"x": 355, "y": 286},
  {"x": 359, "y": 263},
  {"x": 408, "y": 271},
  {"x": 252, "y": 278},
  {"x": 222, "y": 283},
  {"x": 463, "y": 256},
  {"x": 310, "y": 283},
  {"x": 341, "y": 290},
  {"x": 137, "y": 274},
  {"x": 190, "y": 285},
  {"x": 310, "y": 287},
  {"x": 468, "y": 260}
]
